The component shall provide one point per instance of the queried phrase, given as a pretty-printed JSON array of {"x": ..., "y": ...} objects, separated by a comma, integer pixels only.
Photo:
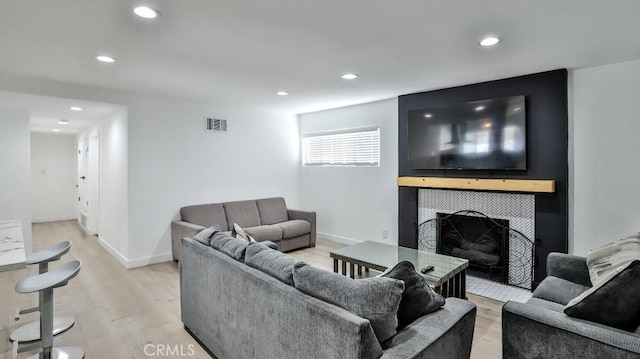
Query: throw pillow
[
  {"x": 204, "y": 236},
  {"x": 272, "y": 262},
  {"x": 376, "y": 299},
  {"x": 239, "y": 233},
  {"x": 612, "y": 257},
  {"x": 614, "y": 301},
  {"x": 224, "y": 242},
  {"x": 418, "y": 298}
]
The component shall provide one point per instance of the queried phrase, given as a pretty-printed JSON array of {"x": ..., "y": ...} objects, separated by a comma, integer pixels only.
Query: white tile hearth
[{"x": 497, "y": 291}]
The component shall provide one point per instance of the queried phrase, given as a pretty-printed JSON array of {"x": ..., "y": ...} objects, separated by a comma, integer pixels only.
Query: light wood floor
[{"x": 119, "y": 312}]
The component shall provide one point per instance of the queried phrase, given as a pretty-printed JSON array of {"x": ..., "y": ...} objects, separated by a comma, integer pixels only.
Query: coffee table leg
[
  {"x": 366, "y": 269},
  {"x": 456, "y": 285},
  {"x": 344, "y": 268},
  {"x": 444, "y": 289},
  {"x": 335, "y": 265},
  {"x": 463, "y": 284},
  {"x": 352, "y": 270},
  {"x": 359, "y": 270}
]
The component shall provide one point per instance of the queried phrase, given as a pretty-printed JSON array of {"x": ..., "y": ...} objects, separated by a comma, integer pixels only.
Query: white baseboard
[
  {"x": 117, "y": 255},
  {"x": 338, "y": 239},
  {"x": 53, "y": 219},
  {"x": 145, "y": 261},
  {"x": 134, "y": 263}
]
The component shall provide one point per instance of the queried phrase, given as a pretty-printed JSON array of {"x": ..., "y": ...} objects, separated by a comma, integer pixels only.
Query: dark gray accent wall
[{"x": 547, "y": 153}]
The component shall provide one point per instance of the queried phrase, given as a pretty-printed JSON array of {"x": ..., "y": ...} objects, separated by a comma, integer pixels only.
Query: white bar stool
[
  {"x": 31, "y": 332},
  {"x": 44, "y": 284}
]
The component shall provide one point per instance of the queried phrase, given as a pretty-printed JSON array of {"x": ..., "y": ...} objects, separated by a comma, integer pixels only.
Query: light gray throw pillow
[
  {"x": 376, "y": 299},
  {"x": 204, "y": 236},
  {"x": 612, "y": 258},
  {"x": 272, "y": 262}
]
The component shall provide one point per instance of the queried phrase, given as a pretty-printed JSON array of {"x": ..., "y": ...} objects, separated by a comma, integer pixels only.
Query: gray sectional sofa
[
  {"x": 266, "y": 219},
  {"x": 242, "y": 307},
  {"x": 541, "y": 329}
]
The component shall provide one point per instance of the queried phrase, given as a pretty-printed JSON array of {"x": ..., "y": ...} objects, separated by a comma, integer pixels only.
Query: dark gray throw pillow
[
  {"x": 375, "y": 299},
  {"x": 272, "y": 262},
  {"x": 234, "y": 248},
  {"x": 418, "y": 298},
  {"x": 615, "y": 302},
  {"x": 204, "y": 236}
]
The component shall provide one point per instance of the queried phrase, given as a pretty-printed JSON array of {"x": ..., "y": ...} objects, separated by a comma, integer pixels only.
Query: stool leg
[{"x": 46, "y": 322}]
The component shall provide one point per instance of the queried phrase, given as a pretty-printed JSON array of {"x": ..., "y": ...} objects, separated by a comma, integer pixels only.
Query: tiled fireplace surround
[{"x": 517, "y": 208}]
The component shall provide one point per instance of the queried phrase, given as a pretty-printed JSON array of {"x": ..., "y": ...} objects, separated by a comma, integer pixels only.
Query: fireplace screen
[{"x": 494, "y": 250}]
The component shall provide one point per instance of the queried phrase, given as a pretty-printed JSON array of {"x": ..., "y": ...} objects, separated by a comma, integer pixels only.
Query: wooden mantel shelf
[{"x": 509, "y": 185}]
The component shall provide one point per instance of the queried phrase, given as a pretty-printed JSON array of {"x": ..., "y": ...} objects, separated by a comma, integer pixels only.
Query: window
[{"x": 354, "y": 147}]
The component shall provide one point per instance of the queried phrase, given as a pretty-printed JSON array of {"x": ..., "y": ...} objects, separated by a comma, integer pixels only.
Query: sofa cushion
[
  {"x": 272, "y": 210},
  {"x": 204, "y": 236},
  {"x": 205, "y": 215},
  {"x": 265, "y": 233},
  {"x": 376, "y": 299},
  {"x": 272, "y": 262},
  {"x": 233, "y": 247},
  {"x": 245, "y": 213},
  {"x": 558, "y": 290},
  {"x": 294, "y": 228},
  {"x": 418, "y": 298},
  {"x": 613, "y": 301}
]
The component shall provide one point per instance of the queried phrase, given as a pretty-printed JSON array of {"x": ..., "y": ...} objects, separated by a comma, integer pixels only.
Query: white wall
[
  {"x": 15, "y": 174},
  {"x": 113, "y": 183},
  {"x": 355, "y": 203},
  {"x": 53, "y": 176},
  {"x": 605, "y": 171},
  {"x": 172, "y": 162}
]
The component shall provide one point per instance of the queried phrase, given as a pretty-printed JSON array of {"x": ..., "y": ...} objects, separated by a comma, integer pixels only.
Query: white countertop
[{"x": 12, "y": 254}]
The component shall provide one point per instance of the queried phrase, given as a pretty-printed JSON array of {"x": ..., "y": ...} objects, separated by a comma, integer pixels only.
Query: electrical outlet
[{"x": 385, "y": 234}]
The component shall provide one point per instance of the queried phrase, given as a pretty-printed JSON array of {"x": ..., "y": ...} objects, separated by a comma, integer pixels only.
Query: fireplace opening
[{"x": 484, "y": 241}]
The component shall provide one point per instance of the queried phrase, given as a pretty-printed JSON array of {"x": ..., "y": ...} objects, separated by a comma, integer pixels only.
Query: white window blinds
[{"x": 354, "y": 147}]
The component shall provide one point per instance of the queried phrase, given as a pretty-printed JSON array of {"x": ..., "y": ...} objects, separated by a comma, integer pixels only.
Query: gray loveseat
[
  {"x": 541, "y": 329},
  {"x": 266, "y": 219},
  {"x": 240, "y": 312}
]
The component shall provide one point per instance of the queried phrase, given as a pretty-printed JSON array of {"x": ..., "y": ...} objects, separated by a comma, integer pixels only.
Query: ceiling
[
  {"x": 46, "y": 112},
  {"x": 241, "y": 52}
]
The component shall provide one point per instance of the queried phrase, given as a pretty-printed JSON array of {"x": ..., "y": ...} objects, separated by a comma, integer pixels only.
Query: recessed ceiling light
[
  {"x": 479, "y": 108},
  {"x": 75, "y": 108},
  {"x": 282, "y": 93},
  {"x": 146, "y": 12},
  {"x": 489, "y": 41},
  {"x": 428, "y": 115},
  {"x": 104, "y": 58},
  {"x": 349, "y": 76},
  {"x": 63, "y": 122},
  {"x": 55, "y": 130}
]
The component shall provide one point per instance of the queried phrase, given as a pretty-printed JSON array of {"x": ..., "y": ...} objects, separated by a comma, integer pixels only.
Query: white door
[{"x": 83, "y": 188}]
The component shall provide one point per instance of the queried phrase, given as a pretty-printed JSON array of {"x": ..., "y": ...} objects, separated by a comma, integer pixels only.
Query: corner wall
[
  {"x": 15, "y": 162},
  {"x": 605, "y": 171},
  {"x": 354, "y": 203}
]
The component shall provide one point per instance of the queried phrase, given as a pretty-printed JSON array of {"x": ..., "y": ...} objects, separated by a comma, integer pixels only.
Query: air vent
[{"x": 215, "y": 125}]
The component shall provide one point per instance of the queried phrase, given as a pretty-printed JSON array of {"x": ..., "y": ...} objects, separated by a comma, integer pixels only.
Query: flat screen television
[{"x": 480, "y": 135}]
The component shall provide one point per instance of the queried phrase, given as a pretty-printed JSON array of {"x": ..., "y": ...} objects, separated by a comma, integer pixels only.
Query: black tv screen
[{"x": 480, "y": 135}]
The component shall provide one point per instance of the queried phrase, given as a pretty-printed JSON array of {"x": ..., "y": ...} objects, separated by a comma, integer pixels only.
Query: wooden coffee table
[{"x": 448, "y": 277}]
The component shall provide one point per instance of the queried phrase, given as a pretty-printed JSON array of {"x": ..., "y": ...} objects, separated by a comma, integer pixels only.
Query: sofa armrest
[
  {"x": 569, "y": 267},
  {"x": 529, "y": 331},
  {"x": 307, "y": 216},
  {"x": 445, "y": 333},
  {"x": 180, "y": 229}
]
